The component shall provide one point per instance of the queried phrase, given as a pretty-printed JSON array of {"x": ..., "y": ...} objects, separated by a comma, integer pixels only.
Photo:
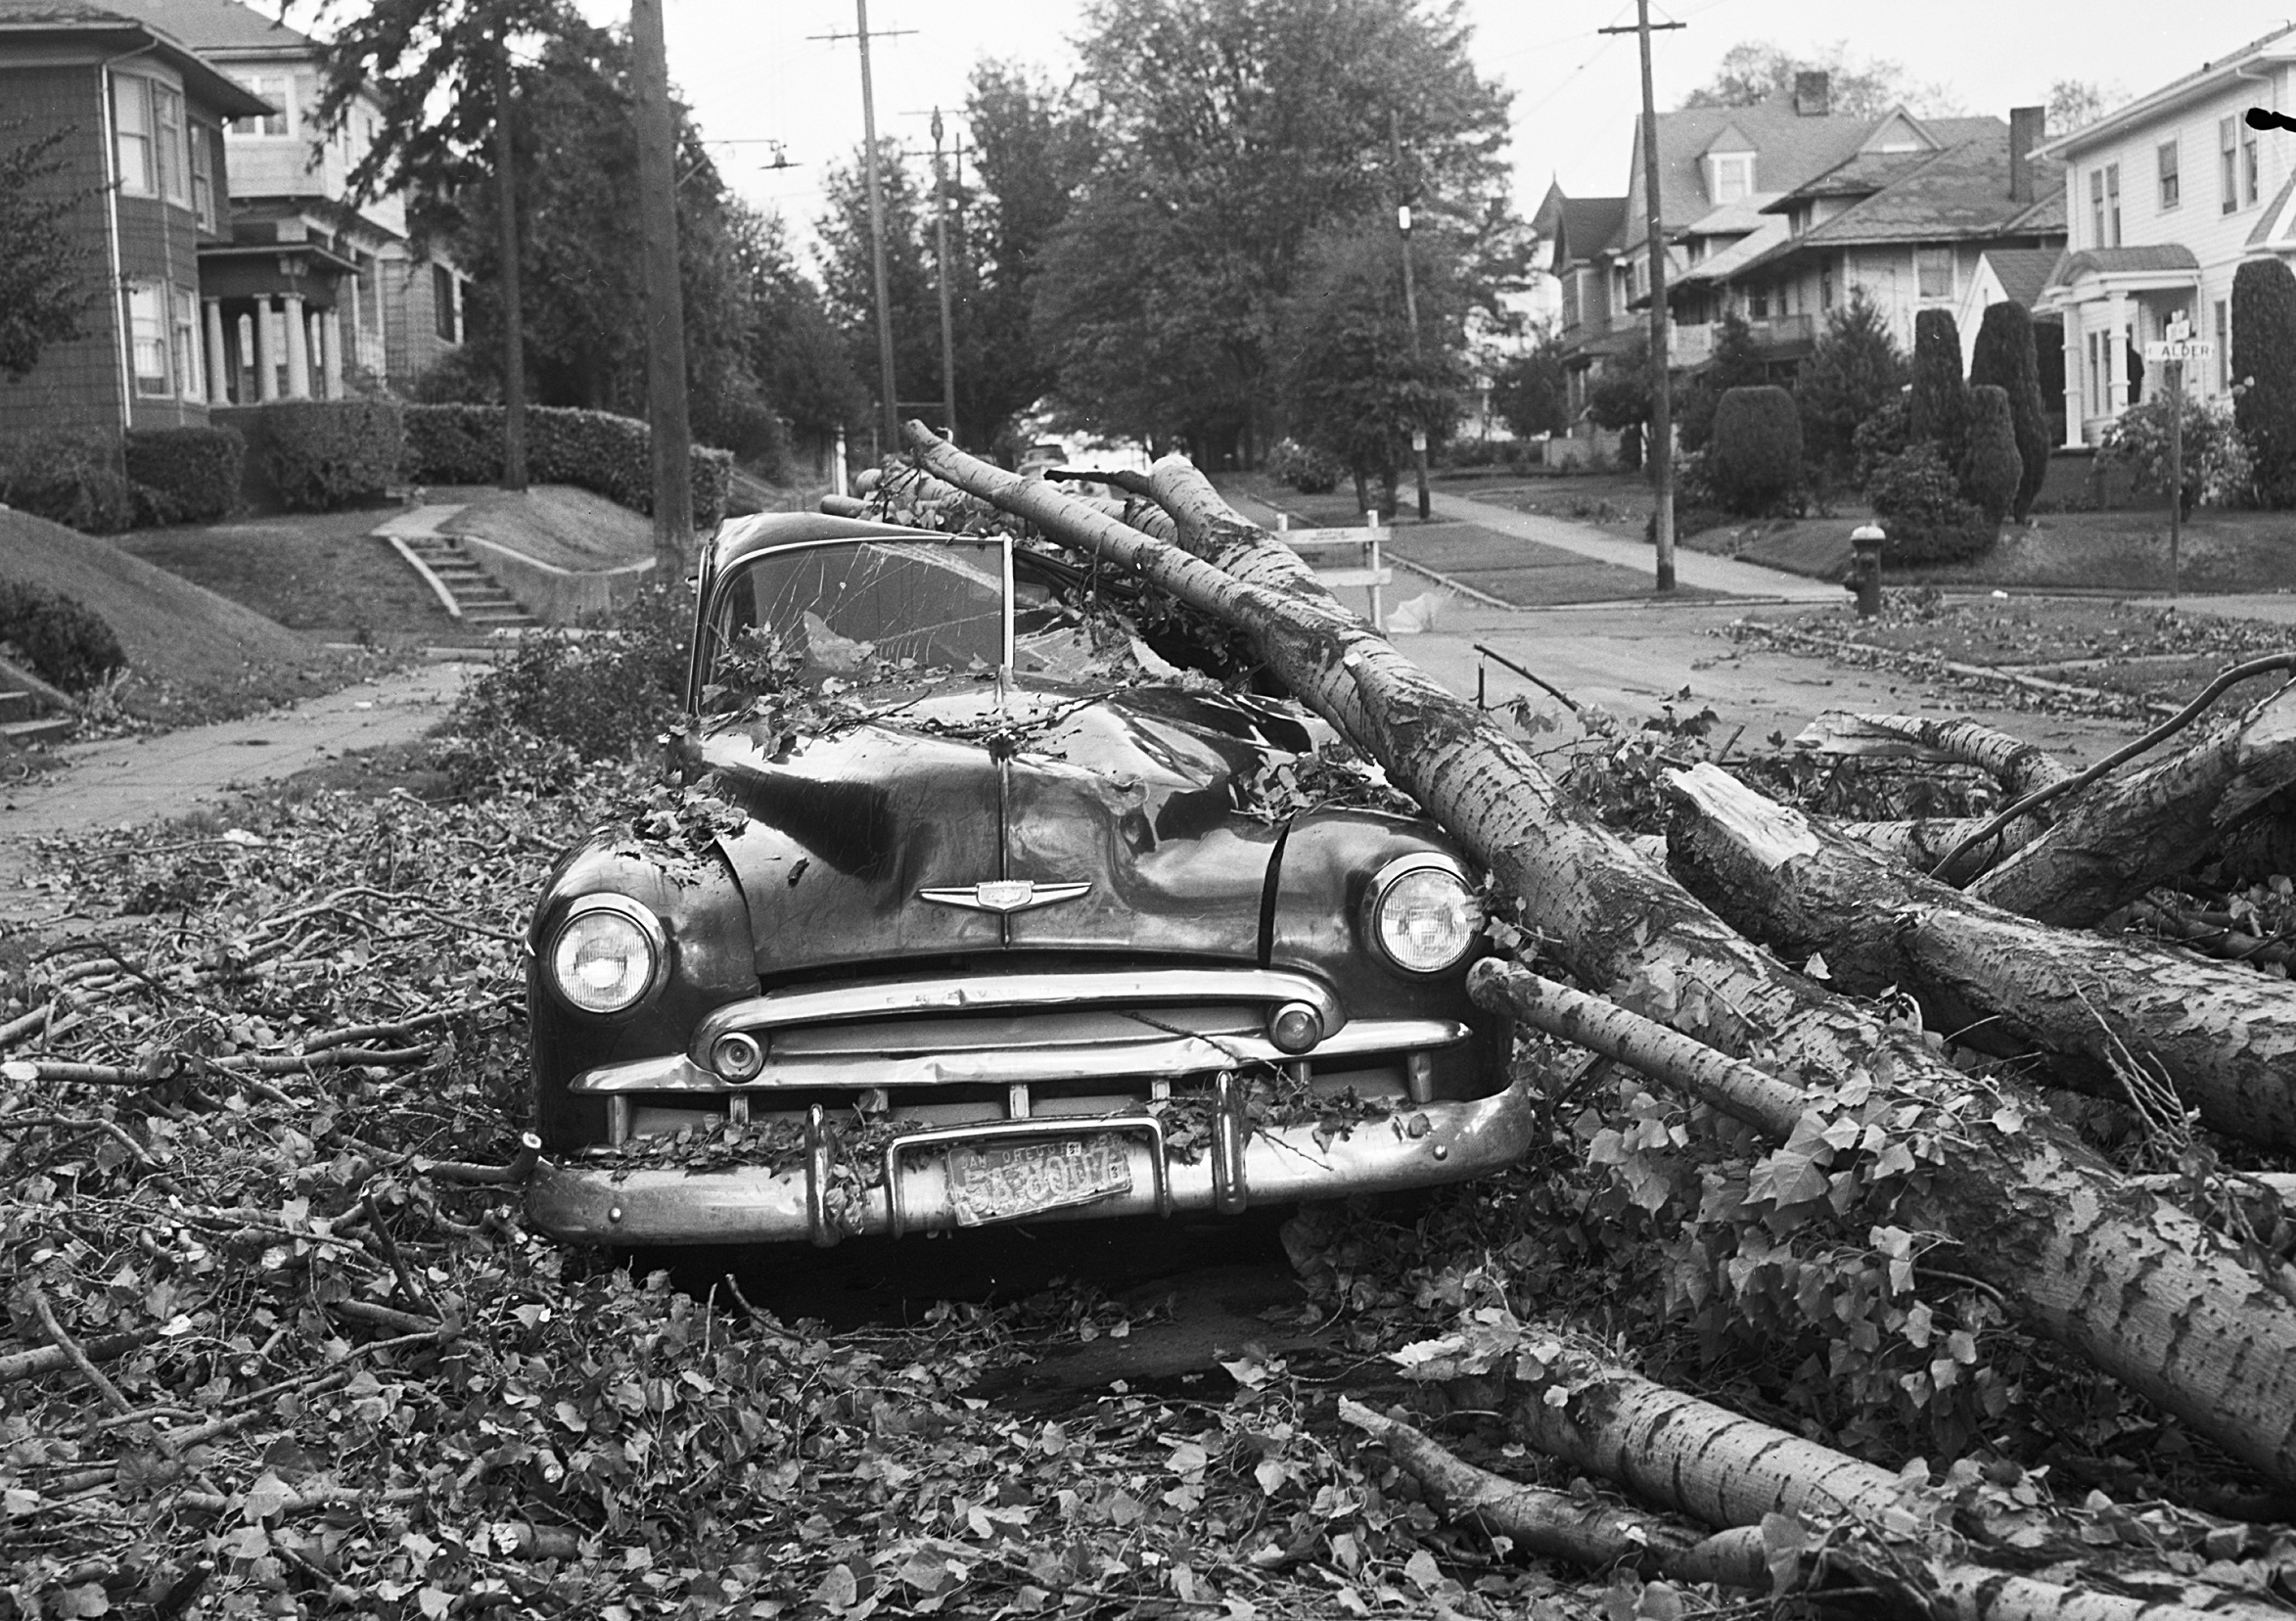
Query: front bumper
[{"x": 1420, "y": 1145}]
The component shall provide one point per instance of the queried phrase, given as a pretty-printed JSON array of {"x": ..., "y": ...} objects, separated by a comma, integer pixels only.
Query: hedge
[
  {"x": 1938, "y": 401},
  {"x": 317, "y": 454},
  {"x": 1919, "y": 504},
  {"x": 1755, "y": 461},
  {"x": 186, "y": 475},
  {"x": 59, "y": 637},
  {"x": 69, "y": 478},
  {"x": 596, "y": 450}
]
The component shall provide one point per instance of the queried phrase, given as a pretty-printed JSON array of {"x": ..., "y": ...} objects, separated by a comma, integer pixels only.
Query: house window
[
  {"x": 279, "y": 90},
  {"x": 1933, "y": 272},
  {"x": 186, "y": 332},
  {"x": 1825, "y": 289},
  {"x": 203, "y": 175},
  {"x": 2248, "y": 171},
  {"x": 2228, "y": 162},
  {"x": 1757, "y": 303},
  {"x": 442, "y": 303},
  {"x": 2096, "y": 217},
  {"x": 147, "y": 333},
  {"x": 131, "y": 134},
  {"x": 2224, "y": 347},
  {"x": 1734, "y": 175},
  {"x": 167, "y": 120},
  {"x": 2112, "y": 186},
  {"x": 2170, "y": 190}
]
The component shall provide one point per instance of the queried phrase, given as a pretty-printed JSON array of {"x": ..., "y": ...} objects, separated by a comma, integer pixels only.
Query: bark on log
[
  {"x": 2019, "y": 766},
  {"x": 1923, "y": 842},
  {"x": 2136, "y": 1285},
  {"x": 2224, "y": 1035},
  {"x": 1700, "y": 1459},
  {"x": 2116, "y": 840},
  {"x": 1556, "y": 1525}
]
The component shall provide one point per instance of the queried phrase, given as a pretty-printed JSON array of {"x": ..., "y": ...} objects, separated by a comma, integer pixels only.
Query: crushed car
[{"x": 973, "y": 912}]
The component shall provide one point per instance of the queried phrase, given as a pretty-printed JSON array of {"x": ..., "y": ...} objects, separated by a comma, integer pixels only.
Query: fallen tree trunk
[
  {"x": 1696, "y": 1459},
  {"x": 2136, "y": 1285},
  {"x": 2019, "y": 766},
  {"x": 2120, "y": 837},
  {"x": 2224, "y": 1037}
]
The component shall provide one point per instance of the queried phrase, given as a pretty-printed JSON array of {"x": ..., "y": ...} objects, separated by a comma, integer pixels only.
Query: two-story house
[
  {"x": 141, "y": 117},
  {"x": 2166, "y": 197},
  {"x": 312, "y": 286}
]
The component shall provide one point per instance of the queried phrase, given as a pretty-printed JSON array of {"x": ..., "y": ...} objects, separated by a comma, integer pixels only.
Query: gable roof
[
  {"x": 2148, "y": 259},
  {"x": 220, "y": 28},
  {"x": 1789, "y": 148},
  {"x": 116, "y": 26},
  {"x": 2279, "y": 45},
  {"x": 1586, "y": 225},
  {"x": 2023, "y": 271},
  {"x": 1957, "y": 194}
]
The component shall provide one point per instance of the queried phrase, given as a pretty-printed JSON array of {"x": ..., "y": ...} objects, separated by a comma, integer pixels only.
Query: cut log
[
  {"x": 1556, "y": 1525},
  {"x": 1923, "y": 842},
  {"x": 2116, "y": 840},
  {"x": 2136, "y": 1285},
  {"x": 1694, "y": 1457},
  {"x": 2019, "y": 766},
  {"x": 2224, "y": 1035}
]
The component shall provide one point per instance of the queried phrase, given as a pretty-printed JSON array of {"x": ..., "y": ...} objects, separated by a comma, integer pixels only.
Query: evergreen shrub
[
  {"x": 1919, "y": 502},
  {"x": 57, "y": 637},
  {"x": 321, "y": 455},
  {"x": 186, "y": 475},
  {"x": 2264, "y": 361},
  {"x": 1755, "y": 463},
  {"x": 2006, "y": 357},
  {"x": 1992, "y": 471},
  {"x": 1308, "y": 470},
  {"x": 68, "y": 476},
  {"x": 1939, "y": 404},
  {"x": 600, "y": 452}
]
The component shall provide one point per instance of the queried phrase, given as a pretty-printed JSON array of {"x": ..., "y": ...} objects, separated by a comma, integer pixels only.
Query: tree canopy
[
  {"x": 1757, "y": 70},
  {"x": 45, "y": 287},
  {"x": 1230, "y": 132},
  {"x": 1855, "y": 370}
]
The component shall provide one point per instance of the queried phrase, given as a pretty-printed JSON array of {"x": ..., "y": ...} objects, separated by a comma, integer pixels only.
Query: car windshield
[{"x": 862, "y": 610}]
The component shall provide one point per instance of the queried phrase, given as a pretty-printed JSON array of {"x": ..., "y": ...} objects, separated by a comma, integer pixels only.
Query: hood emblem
[{"x": 1004, "y": 895}]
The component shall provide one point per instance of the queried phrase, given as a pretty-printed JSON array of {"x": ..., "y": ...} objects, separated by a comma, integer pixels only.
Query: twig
[
  {"x": 50, "y": 1359},
  {"x": 385, "y": 1316},
  {"x": 2080, "y": 779},
  {"x": 26, "y": 1023},
  {"x": 415, "y": 1296},
  {"x": 70, "y": 1122},
  {"x": 79, "y": 1359},
  {"x": 354, "y": 1033}
]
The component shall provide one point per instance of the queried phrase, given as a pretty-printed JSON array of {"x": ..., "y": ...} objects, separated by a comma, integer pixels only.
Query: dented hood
[{"x": 1133, "y": 792}]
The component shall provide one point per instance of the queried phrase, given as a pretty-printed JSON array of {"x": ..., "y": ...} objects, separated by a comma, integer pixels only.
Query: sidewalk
[
  {"x": 1691, "y": 568},
  {"x": 131, "y": 781}
]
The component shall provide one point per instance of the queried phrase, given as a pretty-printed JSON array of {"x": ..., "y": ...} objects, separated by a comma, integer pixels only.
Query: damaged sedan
[{"x": 980, "y": 912}]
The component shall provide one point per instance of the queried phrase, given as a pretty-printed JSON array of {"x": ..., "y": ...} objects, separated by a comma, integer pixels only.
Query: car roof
[{"x": 764, "y": 531}]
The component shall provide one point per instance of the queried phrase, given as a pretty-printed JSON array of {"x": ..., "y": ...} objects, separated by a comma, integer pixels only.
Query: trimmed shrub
[
  {"x": 1919, "y": 504},
  {"x": 2264, "y": 363},
  {"x": 1939, "y": 407},
  {"x": 2006, "y": 357},
  {"x": 58, "y": 637},
  {"x": 319, "y": 454},
  {"x": 1879, "y": 437},
  {"x": 68, "y": 477},
  {"x": 1308, "y": 470},
  {"x": 1734, "y": 364},
  {"x": 186, "y": 475},
  {"x": 595, "y": 451},
  {"x": 2217, "y": 468},
  {"x": 1991, "y": 472},
  {"x": 1755, "y": 465},
  {"x": 1854, "y": 372}
]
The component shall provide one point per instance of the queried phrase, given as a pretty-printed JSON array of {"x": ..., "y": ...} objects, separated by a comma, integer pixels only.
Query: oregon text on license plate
[{"x": 999, "y": 1181}]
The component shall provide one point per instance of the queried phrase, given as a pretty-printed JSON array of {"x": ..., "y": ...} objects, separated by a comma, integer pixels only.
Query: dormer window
[{"x": 1729, "y": 175}]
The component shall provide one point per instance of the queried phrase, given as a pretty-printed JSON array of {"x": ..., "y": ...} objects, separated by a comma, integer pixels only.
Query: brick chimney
[
  {"x": 1812, "y": 94},
  {"x": 2028, "y": 128}
]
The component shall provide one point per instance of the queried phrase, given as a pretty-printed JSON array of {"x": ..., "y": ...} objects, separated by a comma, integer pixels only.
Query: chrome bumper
[{"x": 1420, "y": 1145}]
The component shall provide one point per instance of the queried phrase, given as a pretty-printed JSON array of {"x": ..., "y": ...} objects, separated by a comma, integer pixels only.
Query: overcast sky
[{"x": 750, "y": 71}]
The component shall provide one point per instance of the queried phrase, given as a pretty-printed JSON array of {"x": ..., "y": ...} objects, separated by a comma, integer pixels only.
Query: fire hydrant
[{"x": 1865, "y": 568}]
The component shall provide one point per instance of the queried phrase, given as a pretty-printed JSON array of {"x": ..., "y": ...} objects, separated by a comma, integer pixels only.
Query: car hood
[{"x": 1133, "y": 792}]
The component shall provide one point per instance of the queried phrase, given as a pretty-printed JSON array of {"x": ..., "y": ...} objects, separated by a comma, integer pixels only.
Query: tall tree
[
  {"x": 795, "y": 351},
  {"x": 1351, "y": 384},
  {"x": 1756, "y": 71},
  {"x": 2264, "y": 360},
  {"x": 1231, "y": 132},
  {"x": 45, "y": 287},
  {"x": 1529, "y": 391},
  {"x": 2075, "y": 102},
  {"x": 2005, "y": 357}
]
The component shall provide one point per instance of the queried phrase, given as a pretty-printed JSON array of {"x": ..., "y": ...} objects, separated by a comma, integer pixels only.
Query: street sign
[
  {"x": 2180, "y": 349},
  {"x": 2179, "y": 328},
  {"x": 1418, "y": 438}
]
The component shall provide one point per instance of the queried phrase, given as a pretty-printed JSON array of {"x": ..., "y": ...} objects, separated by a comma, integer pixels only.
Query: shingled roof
[
  {"x": 1586, "y": 225},
  {"x": 127, "y": 29},
  {"x": 217, "y": 27},
  {"x": 1956, "y": 195},
  {"x": 2023, "y": 271},
  {"x": 1789, "y": 148}
]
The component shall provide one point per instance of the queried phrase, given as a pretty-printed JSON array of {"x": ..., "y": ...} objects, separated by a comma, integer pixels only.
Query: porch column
[
  {"x": 2076, "y": 377},
  {"x": 266, "y": 362},
  {"x": 330, "y": 330},
  {"x": 298, "y": 355},
  {"x": 2116, "y": 358},
  {"x": 217, "y": 359}
]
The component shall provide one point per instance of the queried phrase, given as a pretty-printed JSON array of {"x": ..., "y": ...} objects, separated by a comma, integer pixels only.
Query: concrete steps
[
  {"x": 25, "y": 720},
  {"x": 479, "y": 602}
]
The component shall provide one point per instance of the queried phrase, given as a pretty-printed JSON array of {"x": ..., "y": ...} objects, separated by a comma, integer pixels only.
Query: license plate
[{"x": 1003, "y": 1181}]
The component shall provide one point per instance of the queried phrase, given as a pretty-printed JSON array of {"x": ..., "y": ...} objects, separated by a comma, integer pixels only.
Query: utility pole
[
  {"x": 891, "y": 412},
  {"x": 514, "y": 348},
  {"x": 941, "y": 257},
  {"x": 1394, "y": 144},
  {"x": 666, "y": 328},
  {"x": 1662, "y": 423}
]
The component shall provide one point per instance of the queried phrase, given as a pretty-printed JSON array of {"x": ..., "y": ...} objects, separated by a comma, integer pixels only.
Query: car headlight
[
  {"x": 606, "y": 956},
  {"x": 1423, "y": 913}
]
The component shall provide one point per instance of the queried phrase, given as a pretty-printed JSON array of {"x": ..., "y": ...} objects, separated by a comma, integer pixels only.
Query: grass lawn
[{"x": 322, "y": 572}]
